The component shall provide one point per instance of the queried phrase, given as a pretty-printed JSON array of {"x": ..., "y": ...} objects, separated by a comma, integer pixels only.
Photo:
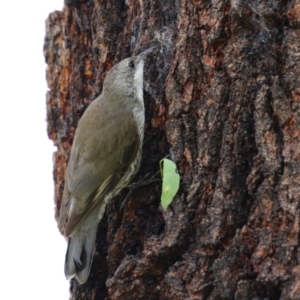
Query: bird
[{"x": 104, "y": 157}]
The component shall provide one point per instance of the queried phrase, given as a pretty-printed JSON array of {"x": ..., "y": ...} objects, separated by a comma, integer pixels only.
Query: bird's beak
[{"x": 145, "y": 53}]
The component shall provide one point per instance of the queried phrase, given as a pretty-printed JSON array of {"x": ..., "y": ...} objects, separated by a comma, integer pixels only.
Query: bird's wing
[{"x": 100, "y": 156}]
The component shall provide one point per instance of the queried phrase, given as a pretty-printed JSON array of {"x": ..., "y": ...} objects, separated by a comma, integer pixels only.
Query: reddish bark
[{"x": 222, "y": 98}]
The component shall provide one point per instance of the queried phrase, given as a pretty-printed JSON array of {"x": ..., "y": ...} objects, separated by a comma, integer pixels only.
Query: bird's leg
[{"x": 143, "y": 182}]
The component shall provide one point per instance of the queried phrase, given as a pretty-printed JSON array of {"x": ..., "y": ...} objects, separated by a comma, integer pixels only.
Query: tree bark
[{"x": 222, "y": 97}]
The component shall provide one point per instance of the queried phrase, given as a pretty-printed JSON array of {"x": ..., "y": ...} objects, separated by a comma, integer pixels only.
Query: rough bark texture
[{"x": 222, "y": 97}]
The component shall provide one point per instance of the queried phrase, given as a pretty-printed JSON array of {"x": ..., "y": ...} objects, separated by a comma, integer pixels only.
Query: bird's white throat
[
  {"x": 138, "y": 111},
  {"x": 138, "y": 80}
]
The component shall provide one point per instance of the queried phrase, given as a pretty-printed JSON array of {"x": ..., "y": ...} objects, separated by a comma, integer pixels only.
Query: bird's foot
[{"x": 143, "y": 182}]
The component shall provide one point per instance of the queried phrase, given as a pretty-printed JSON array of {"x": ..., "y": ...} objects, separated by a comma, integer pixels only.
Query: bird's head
[{"x": 126, "y": 77}]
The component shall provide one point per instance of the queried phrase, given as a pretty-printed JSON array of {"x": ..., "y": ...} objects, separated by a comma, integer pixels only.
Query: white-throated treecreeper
[{"x": 105, "y": 155}]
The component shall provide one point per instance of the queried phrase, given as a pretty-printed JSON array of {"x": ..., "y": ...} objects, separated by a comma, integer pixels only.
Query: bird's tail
[{"x": 80, "y": 251}]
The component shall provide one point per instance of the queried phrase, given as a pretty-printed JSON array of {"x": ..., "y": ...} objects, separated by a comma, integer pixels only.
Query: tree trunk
[{"x": 222, "y": 97}]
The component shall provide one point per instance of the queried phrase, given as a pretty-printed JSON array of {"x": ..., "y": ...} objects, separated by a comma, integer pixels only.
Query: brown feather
[{"x": 98, "y": 163}]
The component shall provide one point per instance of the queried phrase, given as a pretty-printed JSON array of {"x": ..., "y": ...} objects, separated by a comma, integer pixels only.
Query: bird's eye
[{"x": 131, "y": 64}]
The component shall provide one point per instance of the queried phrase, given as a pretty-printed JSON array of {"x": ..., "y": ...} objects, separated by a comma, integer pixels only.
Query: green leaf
[{"x": 170, "y": 181}]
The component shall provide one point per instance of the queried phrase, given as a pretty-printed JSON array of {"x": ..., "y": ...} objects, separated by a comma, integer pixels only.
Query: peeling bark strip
[{"x": 222, "y": 98}]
